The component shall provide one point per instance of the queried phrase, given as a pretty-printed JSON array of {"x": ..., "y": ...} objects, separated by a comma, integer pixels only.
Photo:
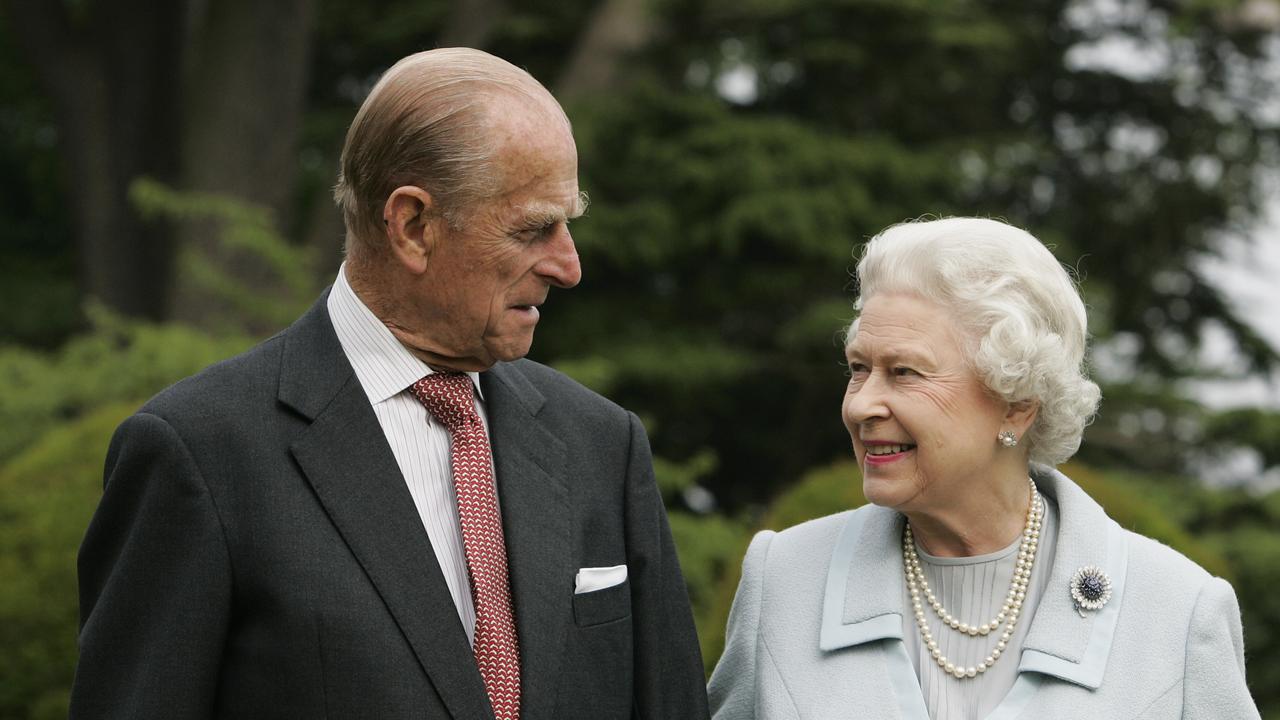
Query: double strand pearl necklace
[{"x": 1009, "y": 611}]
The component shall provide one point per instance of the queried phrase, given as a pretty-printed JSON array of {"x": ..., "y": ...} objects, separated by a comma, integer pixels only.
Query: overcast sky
[{"x": 1249, "y": 274}]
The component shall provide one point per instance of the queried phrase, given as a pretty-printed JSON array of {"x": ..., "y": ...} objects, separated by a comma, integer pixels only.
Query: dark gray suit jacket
[{"x": 257, "y": 554}]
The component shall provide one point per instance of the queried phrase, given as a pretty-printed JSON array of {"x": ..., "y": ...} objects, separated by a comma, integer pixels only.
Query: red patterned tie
[{"x": 448, "y": 397}]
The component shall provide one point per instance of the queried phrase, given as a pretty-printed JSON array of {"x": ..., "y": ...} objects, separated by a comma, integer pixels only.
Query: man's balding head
[{"x": 430, "y": 122}]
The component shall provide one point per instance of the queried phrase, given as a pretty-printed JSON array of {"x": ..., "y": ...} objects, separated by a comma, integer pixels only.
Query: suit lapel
[
  {"x": 345, "y": 458},
  {"x": 529, "y": 462}
]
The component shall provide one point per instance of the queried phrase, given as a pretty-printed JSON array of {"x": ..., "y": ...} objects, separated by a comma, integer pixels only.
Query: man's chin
[{"x": 509, "y": 351}]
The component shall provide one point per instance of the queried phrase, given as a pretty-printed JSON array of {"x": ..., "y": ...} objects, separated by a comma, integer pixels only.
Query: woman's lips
[{"x": 887, "y": 458}]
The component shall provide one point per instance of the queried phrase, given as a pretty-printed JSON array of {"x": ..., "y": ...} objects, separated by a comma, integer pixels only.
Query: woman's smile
[{"x": 883, "y": 453}]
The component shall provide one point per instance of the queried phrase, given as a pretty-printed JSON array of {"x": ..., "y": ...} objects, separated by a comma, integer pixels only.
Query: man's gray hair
[
  {"x": 1014, "y": 303},
  {"x": 427, "y": 123}
]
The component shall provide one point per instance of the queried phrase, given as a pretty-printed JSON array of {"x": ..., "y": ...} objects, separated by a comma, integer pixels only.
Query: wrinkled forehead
[
  {"x": 534, "y": 158},
  {"x": 899, "y": 322}
]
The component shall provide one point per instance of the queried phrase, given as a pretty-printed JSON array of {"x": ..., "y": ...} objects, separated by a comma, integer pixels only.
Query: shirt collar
[{"x": 383, "y": 365}]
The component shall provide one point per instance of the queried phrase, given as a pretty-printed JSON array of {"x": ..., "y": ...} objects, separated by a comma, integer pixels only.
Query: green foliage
[
  {"x": 718, "y": 251},
  {"x": 245, "y": 235},
  {"x": 1128, "y": 499},
  {"x": 1256, "y": 428},
  {"x": 822, "y": 491},
  {"x": 715, "y": 272},
  {"x": 728, "y": 227},
  {"x": 711, "y": 548},
  {"x": 47, "y": 494},
  {"x": 675, "y": 478},
  {"x": 43, "y": 287},
  {"x": 117, "y": 360}
]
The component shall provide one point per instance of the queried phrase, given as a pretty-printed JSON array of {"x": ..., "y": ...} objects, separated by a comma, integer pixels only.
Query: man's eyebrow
[
  {"x": 580, "y": 203},
  {"x": 544, "y": 214}
]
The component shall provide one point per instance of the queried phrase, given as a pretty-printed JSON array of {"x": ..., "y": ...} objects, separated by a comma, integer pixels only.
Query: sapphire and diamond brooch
[{"x": 1090, "y": 589}]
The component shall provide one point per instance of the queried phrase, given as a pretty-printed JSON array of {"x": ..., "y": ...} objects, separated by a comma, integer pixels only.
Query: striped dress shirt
[{"x": 420, "y": 444}]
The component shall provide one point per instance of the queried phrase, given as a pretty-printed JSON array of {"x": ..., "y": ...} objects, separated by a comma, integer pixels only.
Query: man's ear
[
  {"x": 411, "y": 227},
  {"x": 1020, "y": 416}
]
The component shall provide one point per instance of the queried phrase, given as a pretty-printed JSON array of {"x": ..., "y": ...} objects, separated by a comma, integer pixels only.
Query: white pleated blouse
[{"x": 972, "y": 589}]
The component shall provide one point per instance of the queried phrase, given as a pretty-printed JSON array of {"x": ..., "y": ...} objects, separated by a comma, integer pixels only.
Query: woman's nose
[{"x": 865, "y": 403}]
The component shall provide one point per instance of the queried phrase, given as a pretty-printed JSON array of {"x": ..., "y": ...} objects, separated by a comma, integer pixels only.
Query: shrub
[
  {"x": 117, "y": 360},
  {"x": 47, "y": 495}
]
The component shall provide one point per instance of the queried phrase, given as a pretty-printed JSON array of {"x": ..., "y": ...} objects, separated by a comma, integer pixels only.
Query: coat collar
[
  {"x": 1061, "y": 642},
  {"x": 863, "y": 599}
]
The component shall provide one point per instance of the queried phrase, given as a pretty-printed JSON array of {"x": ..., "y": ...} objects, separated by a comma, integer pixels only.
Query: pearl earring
[{"x": 1007, "y": 438}]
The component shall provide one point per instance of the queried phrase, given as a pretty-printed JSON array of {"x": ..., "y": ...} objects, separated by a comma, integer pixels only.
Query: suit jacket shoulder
[
  {"x": 219, "y": 389},
  {"x": 569, "y": 395}
]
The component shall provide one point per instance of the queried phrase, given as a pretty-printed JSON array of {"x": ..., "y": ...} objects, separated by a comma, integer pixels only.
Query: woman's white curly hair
[{"x": 1014, "y": 302}]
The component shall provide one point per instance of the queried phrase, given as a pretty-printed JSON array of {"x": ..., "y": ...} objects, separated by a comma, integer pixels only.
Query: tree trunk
[
  {"x": 113, "y": 76},
  {"x": 616, "y": 29},
  {"x": 244, "y": 101}
]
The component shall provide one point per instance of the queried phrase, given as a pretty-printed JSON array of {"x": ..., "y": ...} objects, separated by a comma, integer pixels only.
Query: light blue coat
[{"x": 816, "y": 628}]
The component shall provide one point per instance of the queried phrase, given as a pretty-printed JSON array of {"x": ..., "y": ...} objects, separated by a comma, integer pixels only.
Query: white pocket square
[{"x": 592, "y": 579}]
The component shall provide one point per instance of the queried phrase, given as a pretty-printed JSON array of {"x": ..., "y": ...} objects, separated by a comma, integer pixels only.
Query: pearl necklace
[{"x": 917, "y": 586}]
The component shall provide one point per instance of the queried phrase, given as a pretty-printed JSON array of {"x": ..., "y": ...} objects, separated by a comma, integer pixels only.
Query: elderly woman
[{"x": 979, "y": 582}]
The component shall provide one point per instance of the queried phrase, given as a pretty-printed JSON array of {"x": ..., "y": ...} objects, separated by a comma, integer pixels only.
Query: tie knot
[{"x": 448, "y": 397}]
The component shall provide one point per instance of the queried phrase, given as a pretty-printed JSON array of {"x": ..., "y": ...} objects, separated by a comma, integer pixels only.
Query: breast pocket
[{"x": 602, "y": 606}]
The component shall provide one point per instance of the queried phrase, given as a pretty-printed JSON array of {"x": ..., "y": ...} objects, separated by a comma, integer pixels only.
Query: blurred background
[{"x": 165, "y": 176}]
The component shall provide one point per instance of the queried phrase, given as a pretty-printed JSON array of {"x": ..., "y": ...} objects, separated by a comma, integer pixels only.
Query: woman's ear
[
  {"x": 1019, "y": 417},
  {"x": 411, "y": 226}
]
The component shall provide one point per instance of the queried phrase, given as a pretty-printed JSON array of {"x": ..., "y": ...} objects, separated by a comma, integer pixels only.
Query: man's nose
[{"x": 561, "y": 267}]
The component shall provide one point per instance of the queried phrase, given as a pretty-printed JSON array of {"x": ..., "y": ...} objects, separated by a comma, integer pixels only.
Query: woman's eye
[
  {"x": 856, "y": 369},
  {"x": 902, "y": 371}
]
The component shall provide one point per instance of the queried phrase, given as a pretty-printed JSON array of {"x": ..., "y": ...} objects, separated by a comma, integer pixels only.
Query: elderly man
[{"x": 384, "y": 512}]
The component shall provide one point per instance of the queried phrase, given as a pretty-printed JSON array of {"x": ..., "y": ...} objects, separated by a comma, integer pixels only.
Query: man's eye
[
  {"x": 901, "y": 371},
  {"x": 856, "y": 369},
  {"x": 533, "y": 234}
]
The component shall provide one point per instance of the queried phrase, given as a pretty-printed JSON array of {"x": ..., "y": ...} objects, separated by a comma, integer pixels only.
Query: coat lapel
[
  {"x": 863, "y": 600},
  {"x": 1061, "y": 642},
  {"x": 347, "y": 461},
  {"x": 529, "y": 462},
  {"x": 863, "y": 593}
]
